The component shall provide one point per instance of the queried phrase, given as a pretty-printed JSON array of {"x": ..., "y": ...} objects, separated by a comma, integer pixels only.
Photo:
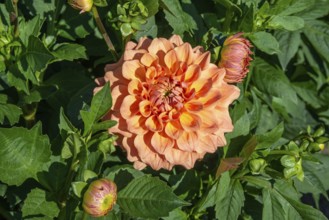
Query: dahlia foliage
[{"x": 164, "y": 109}]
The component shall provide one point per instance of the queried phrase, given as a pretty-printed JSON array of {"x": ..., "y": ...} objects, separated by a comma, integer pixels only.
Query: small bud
[
  {"x": 83, "y": 5},
  {"x": 315, "y": 147},
  {"x": 257, "y": 165},
  {"x": 100, "y": 197},
  {"x": 288, "y": 161},
  {"x": 304, "y": 145}
]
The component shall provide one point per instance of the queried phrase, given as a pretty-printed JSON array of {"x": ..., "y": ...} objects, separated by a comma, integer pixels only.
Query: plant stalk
[{"x": 101, "y": 28}]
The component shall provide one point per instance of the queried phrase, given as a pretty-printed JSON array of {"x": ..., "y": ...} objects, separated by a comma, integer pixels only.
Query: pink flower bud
[
  {"x": 235, "y": 58},
  {"x": 100, "y": 197},
  {"x": 83, "y": 5}
]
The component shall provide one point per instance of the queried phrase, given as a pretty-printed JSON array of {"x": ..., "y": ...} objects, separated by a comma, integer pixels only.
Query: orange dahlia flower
[
  {"x": 235, "y": 58},
  {"x": 170, "y": 102}
]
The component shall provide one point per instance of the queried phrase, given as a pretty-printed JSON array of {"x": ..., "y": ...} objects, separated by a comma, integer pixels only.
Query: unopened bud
[
  {"x": 288, "y": 161},
  {"x": 257, "y": 165},
  {"x": 100, "y": 197},
  {"x": 83, "y": 5}
]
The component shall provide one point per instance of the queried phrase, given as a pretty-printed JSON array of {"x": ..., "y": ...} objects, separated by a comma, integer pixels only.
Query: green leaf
[
  {"x": 230, "y": 203},
  {"x": 104, "y": 125},
  {"x": 179, "y": 20},
  {"x": 39, "y": 7},
  {"x": 78, "y": 187},
  {"x": 37, "y": 55},
  {"x": 38, "y": 93},
  {"x": 279, "y": 204},
  {"x": 273, "y": 81},
  {"x": 29, "y": 28},
  {"x": 289, "y": 43},
  {"x": 22, "y": 153},
  {"x": 152, "y": 6},
  {"x": 69, "y": 51},
  {"x": 297, "y": 6},
  {"x": 148, "y": 197},
  {"x": 317, "y": 32},
  {"x": 317, "y": 10},
  {"x": 100, "y": 3},
  {"x": 290, "y": 23},
  {"x": 37, "y": 206},
  {"x": 100, "y": 105},
  {"x": 265, "y": 42},
  {"x": 9, "y": 111},
  {"x": 148, "y": 29}
]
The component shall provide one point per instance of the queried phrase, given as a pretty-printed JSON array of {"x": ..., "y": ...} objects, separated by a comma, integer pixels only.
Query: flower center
[{"x": 167, "y": 93}]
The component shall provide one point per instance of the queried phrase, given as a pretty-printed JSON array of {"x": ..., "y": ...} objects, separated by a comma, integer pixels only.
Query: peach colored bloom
[
  {"x": 235, "y": 58},
  {"x": 170, "y": 102}
]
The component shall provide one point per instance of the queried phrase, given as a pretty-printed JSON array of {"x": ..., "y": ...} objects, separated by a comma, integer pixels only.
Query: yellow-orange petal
[
  {"x": 160, "y": 142},
  {"x": 229, "y": 93},
  {"x": 192, "y": 73},
  {"x": 171, "y": 61},
  {"x": 153, "y": 123},
  {"x": 148, "y": 59},
  {"x": 193, "y": 106},
  {"x": 136, "y": 125},
  {"x": 173, "y": 129},
  {"x": 183, "y": 53},
  {"x": 179, "y": 157},
  {"x": 211, "y": 98},
  {"x": 208, "y": 143},
  {"x": 160, "y": 46},
  {"x": 176, "y": 40},
  {"x": 201, "y": 87},
  {"x": 119, "y": 92},
  {"x": 135, "y": 87},
  {"x": 134, "y": 54},
  {"x": 129, "y": 106},
  {"x": 133, "y": 69},
  {"x": 143, "y": 43},
  {"x": 209, "y": 124},
  {"x": 145, "y": 108},
  {"x": 188, "y": 141},
  {"x": 128, "y": 145},
  {"x": 203, "y": 60},
  {"x": 189, "y": 121}
]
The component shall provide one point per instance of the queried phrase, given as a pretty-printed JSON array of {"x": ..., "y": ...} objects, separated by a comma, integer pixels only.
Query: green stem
[
  {"x": 280, "y": 152},
  {"x": 101, "y": 28},
  {"x": 15, "y": 21}
]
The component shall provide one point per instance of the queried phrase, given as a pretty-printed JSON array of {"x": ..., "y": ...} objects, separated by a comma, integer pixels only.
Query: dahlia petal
[
  {"x": 201, "y": 86},
  {"x": 229, "y": 94},
  {"x": 192, "y": 73},
  {"x": 130, "y": 45},
  {"x": 189, "y": 121},
  {"x": 209, "y": 124},
  {"x": 154, "y": 124},
  {"x": 145, "y": 108},
  {"x": 121, "y": 126},
  {"x": 193, "y": 106},
  {"x": 203, "y": 60},
  {"x": 176, "y": 40},
  {"x": 134, "y": 54},
  {"x": 148, "y": 59},
  {"x": 160, "y": 142},
  {"x": 133, "y": 69},
  {"x": 188, "y": 141},
  {"x": 183, "y": 53},
  {"x": 135, "y": 124},
  {"x": 128, "y": 145},
  {"x": 208, "y": 144},
  {"x": 139, "y": 165},
  {"x": 211, "y": 98},
  {"x": 143, "y": 43},
  {"x": 160, "y": 45},
  {"x": 173, "y": 129},
  {"x": 179, "y": 157},
  {"x": 224, "y": 121},
  {"x": 129, "y": 106},
  {"x": 119, "y": 92},
  {"x": 135, "y": 87},
  {"x": 170, "y": 60}
]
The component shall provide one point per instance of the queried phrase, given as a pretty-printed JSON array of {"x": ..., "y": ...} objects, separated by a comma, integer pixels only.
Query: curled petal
[
  {"x": 176, "y": 40},
  {"x": 133, "y": 69},
  {"x": 145, "y": 108},
  {"x": 160, "y": 142},
  {"x": 153, "y": 123},
  {"x": 211, "y": 98},
  {"x": 193, "y": 106},
  {"x": 136, "y": 125},
  {"x": 192, "y": 73},
  {"x": 129, "y": 106}
]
